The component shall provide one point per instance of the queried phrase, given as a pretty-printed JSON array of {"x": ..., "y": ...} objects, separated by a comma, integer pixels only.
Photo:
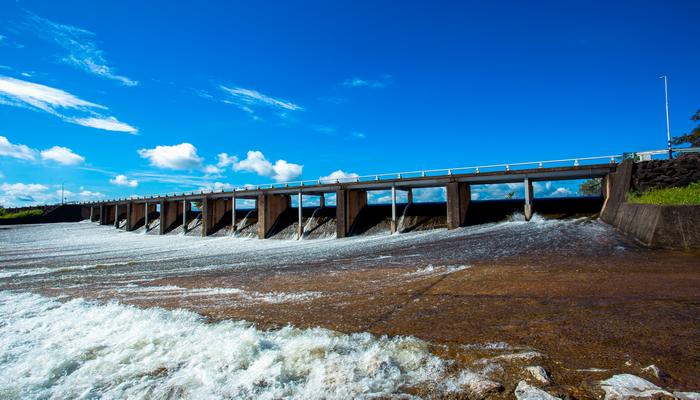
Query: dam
[{"x": 273, "y": 212}]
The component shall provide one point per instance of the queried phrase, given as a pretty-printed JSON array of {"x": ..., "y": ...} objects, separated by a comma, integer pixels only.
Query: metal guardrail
[{"x": 575, "y": 162}]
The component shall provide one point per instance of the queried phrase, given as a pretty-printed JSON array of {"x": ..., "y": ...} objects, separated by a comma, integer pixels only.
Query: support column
[
  {"x": 348, "y": 206},
  {"x": 528, "y": 198},
  {"x": 213, "y": 212},
  {"x": 107, "y": 215},
  {"x": 322, "y": 200},
  {"x": 169, "y": 211},
  {"x": 458, "y": 198},
  {"x": 392, "y": 227},
  {"x": 409, "y": 195},
  {"x": 300, "y": 228},
  {"x": 233, "y": 213},
  {"x": 145, "y": 218},
  {"x": 184, "y": 216},
  {"x": 135, "y": 216},
  {"x": 116, "y": 215},
  {"x": 270, "y": 207},
  {"x": 92, "y": 212}
]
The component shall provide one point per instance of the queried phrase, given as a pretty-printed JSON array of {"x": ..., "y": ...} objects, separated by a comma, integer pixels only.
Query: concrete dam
[{"x": 217, "y": 212}]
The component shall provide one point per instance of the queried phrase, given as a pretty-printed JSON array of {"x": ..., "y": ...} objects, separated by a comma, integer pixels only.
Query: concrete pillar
[
  {"x": 169, "y": 212},
  {"x": 92, "y": 213},
  {"x": 392, "y": 226},
  {"x": 116, "y": 215},
  {"x": 135, "y": 216},
  {"x": 409, "y": 195},
  {"x": 322, "y": 200},
  {"x": 107, "y": 215},
  {"x": 213, "y": 212},
  {"x": 458, "y": 198},
  {"x": 348, "y": 206},
  {"x": 234, "y": 227},
  {"x": 270, "y": 207},
  {"x": 529, "y": 195},
  {"x": 145, "y": 217},
  {"x": 300, "y": 228},
  {"x": 184, "y": 215}
]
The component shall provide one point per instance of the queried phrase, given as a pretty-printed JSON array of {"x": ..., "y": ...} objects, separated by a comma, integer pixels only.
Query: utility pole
[
  {"x": 62, "y": 197},
  {"x": 668, "y": 121}
]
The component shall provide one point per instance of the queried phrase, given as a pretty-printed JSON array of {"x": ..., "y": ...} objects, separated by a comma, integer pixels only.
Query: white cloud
[
  {"x": 211, "y": 170},
  {"x": 19, "y": 93},
  {"x": 19, "y": 151},
  {"x": 339, "y": 176},
  {"x": 224, "y": 160},
  {"x": 82, "y": 50},
  {"x": 249, "y": 100},
  {"x": 180, "y": 157},
  {"x": 285, "y": 171},
  {"x": 106, "y": 123},
  {"x": 26, "y": 194},
  {"x": 369, "y": 83},
  {"x": 358, "y": 135},
  {"x": 256, "y": 162},
  {"x": 217, "y": 187},
  {"x": 122, "y": 180},
  {"x": 62, "y": 155},
  {"x": 253, "y": 97},
  {"x": 87, "y": 194}
]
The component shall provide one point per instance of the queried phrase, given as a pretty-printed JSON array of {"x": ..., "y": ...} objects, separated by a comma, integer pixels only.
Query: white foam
[
  {"x": 438, "y": 270},
  {"x": 171, "y": 291},
  {"x": 82, "y": 349}
]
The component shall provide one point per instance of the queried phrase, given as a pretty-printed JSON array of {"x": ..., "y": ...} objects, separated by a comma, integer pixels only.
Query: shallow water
[{"x": 67, "y": 347}]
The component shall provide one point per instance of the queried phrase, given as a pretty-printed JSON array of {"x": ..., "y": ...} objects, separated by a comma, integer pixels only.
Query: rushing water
[{"x": 76, "y": 348}]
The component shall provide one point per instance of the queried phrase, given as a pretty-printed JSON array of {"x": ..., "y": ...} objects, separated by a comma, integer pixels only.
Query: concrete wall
[
  {"x": 170, "y": 215},
  {"x": 270, "y": 207},
  {"x": 673, "y": 227},
  {"x": 349, "y": 203},
  {"x": 216, "y": 213},
  {"x": 458, "y": 198}
]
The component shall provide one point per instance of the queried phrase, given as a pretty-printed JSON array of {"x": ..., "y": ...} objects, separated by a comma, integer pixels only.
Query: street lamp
[{"x": 668, "y": 123}]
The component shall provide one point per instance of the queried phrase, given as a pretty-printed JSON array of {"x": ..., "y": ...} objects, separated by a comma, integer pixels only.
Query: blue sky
[{"x": 120, "y": 98}]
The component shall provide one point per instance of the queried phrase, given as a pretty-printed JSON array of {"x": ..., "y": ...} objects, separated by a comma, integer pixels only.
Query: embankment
[{"x": 658, "y": 226}]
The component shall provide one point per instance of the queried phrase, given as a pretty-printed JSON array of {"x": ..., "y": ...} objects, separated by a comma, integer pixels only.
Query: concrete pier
[
  {"x": 349, "y": 203},
  {"x": 214, "y": 214},
  {"x": 170, "y": 215},
  {"x": 529, "y": 196},
  {"x": 458, "y": 198},
  {"x": 270, "y": 207}
]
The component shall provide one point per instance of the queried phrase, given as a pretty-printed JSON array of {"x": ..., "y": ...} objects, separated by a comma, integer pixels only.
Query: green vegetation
[
  {"x": 590, "y": 187},
  {"x": 692, "y": 138},
  {"x": 689, "y": 195},
  {"x": 20, "y": 214}
]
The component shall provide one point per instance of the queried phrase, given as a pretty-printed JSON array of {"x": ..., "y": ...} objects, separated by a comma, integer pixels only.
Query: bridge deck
[{"x": 493, "y": 177}]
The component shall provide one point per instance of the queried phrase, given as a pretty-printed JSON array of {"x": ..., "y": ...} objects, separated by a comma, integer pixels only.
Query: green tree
[
  {"x": 590, "y": 187},
  {"x": 692, "y": 138}
]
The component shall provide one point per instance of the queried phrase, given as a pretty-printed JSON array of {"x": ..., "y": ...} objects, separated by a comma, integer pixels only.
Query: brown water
[{"x": 573, "y": 296}]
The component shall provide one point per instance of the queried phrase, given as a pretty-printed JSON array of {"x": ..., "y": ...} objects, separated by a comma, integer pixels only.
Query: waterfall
[
  {"x": 243, "y": 223},
  {"x": 400, "y": 227},
  {"x": 310, "y": 223}
]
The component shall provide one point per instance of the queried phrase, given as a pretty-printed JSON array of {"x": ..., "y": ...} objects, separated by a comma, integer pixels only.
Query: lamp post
[{"x": 668, "y": 123}]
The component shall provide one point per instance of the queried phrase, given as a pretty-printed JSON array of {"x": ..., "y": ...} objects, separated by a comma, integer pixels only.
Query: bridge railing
[{"x": 477, "y": 169}]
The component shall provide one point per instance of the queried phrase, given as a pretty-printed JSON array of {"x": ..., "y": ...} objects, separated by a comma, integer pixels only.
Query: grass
[
  {"x": 22, "y": 214},
  {"x": 689, "y": 195}
]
